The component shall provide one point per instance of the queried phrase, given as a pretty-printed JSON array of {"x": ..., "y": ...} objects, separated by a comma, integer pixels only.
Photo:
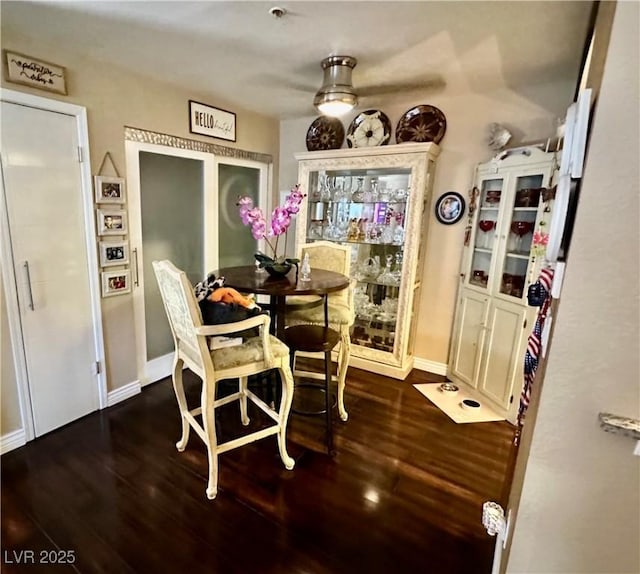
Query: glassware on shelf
[
  {"x": 353, "y": 230},
  {"x": 479, "y": 277},
  {"x": 387, "y": 277},
  {"x": 520, "y": 229},
  {"x": 387, "y": 234},
  {"x": 371, "y": 268},
  {"x": 347, "y": 182},
  {"x": 315, "y": 230},
  {"x": 325, "y": 189},
  {"x": 492, "y": 198},
  {"x": 485, "y": 226},
  {"x": 512, "y": 284},
  {"x": 374, "y": 193},
  {"x": 397, "y": 272},
  {"x": 383, "y": 192},
  {"x": 398, "y": 235},
  {"x": 358, "y": 194},
  {"x": 388, "y": 310},
  {"x": 400, "y": 195}
]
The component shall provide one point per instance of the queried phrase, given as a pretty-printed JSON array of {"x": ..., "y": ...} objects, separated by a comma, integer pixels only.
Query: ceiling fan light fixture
[{"x": 336, "y": 97}]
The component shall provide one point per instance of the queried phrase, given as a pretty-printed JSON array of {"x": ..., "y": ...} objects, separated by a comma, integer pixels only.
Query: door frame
[
  {"x": 8, "y": 273},
  {"x": 161, "y": 367}
]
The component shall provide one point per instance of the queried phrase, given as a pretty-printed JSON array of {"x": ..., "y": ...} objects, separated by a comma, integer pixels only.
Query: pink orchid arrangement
[{"x": 280, "y": 219}]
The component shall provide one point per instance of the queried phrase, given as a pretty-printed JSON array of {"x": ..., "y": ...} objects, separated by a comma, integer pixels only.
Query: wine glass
[
  {"x": 486, "y": 225},
  {"x": 521, "y": 228}
]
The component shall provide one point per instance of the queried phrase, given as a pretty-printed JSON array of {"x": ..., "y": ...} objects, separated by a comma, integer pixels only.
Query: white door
[
  {"x": 47, "y": 228},
  {"x": 173, "y": 213},
  {"x": 182, "y": 208}
]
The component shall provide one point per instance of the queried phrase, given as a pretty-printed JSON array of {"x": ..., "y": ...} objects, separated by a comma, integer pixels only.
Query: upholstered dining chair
[
  {"x": 255, "y": 355},
  {"x": 309, "y": 309}
]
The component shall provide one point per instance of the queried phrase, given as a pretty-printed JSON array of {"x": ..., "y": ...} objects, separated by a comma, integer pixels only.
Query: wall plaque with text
[{"x": 213, "y": 122}]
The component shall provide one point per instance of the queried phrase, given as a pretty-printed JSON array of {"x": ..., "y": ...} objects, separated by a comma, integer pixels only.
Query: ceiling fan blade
[
  {"x": 431, "y": 84},
  {"x": 271, "y": 81}
]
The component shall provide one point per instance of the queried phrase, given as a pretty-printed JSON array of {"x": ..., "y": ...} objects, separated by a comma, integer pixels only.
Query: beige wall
[
  {"x": 469, "y": 111},
  {"x": 114, "y": 98},
  {"x": 580, "y": 504}
]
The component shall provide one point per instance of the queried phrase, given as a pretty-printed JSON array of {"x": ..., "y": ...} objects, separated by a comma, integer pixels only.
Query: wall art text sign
[{"x": 34, "y": 72}]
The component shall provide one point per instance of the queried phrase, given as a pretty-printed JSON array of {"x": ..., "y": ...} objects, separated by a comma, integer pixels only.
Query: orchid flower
[{"x": 280, "y": 218}]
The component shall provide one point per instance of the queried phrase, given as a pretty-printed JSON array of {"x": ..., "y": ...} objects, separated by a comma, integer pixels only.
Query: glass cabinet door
[
  {"x": 519, "y": 227},
  {"x": 366, "y": 209},
  {"x": 485, "y": 237}
]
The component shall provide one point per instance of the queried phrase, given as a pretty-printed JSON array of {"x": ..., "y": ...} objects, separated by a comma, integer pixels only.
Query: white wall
[{"x": 580, "y": 503}]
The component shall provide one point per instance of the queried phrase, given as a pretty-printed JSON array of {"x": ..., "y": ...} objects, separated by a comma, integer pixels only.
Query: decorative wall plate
[
  {"x": 325, "y": 133},
  {"x": 368, "y": 129},
  {"x": 423, "y": 123},
  {"x": 450, "y": 208}
]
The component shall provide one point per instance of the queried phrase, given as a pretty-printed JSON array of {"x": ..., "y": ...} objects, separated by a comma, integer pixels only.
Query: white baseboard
[
  {"x": 157, "y": 369},
  {"x": 12, "y": 440},
  {"x": 122, "y": 393},
  {"x": 430, "y": 366}
]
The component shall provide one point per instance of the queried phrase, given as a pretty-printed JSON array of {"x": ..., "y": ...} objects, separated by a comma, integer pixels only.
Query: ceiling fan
[
  {"x": 338, "y": 90},
  {"x": 337, "y": 95}
]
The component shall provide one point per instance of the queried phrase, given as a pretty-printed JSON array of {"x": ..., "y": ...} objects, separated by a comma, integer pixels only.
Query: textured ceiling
[{"x": 241, "y": 53}]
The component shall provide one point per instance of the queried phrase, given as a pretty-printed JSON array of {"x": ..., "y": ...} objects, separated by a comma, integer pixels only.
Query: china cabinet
[
  {"x": 508, "y": 228},
  {"x": 374, "y": 200}
]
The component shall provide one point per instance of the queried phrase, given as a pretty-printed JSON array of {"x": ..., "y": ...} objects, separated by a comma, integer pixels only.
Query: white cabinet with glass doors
[
  {"x": 375, "y": 201},
  {"x": 506, "y": 242}
]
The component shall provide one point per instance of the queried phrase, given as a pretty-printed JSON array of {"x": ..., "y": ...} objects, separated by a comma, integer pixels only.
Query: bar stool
[{"x": 315, "y": 339}]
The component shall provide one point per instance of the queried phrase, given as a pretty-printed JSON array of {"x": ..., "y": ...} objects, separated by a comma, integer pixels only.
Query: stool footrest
[
  {"x": 311, "y": 338},
  {"x": 320, "y": 389}
]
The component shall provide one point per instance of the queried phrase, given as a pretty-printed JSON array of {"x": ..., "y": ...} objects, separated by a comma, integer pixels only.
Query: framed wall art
[
  {"x": 450, "y": 208},
  {"x": 112, "y": 222},
  {"x": 209, "y": 121},
  {"x": 114, "y": 253},
  {"x": 34, "y": 72},
  {"x": 116, "y": 282},
  {"x": 109, "y": 189}
]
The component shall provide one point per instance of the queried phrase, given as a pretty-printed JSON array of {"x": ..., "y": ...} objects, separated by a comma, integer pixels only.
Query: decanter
[
  {"x": 358, "y": 194},
  {"x": 305, "y": 269}
]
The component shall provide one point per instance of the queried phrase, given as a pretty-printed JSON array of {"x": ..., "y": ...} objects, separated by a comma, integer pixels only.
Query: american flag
[{"x": 534, "y": 345}]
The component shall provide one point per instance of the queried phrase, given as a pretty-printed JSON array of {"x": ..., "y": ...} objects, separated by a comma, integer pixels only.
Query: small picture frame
[
  {"x": 109, "y": 189},
  {"x": 450, "y": 208},
  {"x": 116, "y": 282},
  {"x": 112, "y": 222},
  {"x": 114, "y": 253}
]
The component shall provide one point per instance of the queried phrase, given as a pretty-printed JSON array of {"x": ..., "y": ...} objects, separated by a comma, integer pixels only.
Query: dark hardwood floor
[{"x": 403, "y": 494}]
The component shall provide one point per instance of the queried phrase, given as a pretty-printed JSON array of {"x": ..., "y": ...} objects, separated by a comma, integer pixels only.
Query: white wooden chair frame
[{"x": 192, "y": 349}]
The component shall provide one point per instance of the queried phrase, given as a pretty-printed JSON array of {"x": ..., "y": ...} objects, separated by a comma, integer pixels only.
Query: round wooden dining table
[{"x": 248, "y": 279}]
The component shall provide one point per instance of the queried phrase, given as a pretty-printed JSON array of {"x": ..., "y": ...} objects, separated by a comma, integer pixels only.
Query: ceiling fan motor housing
[{"x": 336, "y": 84}]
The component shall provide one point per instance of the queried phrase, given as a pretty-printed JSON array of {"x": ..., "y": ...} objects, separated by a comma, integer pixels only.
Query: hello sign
[{"x": 213, "y": 122}]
